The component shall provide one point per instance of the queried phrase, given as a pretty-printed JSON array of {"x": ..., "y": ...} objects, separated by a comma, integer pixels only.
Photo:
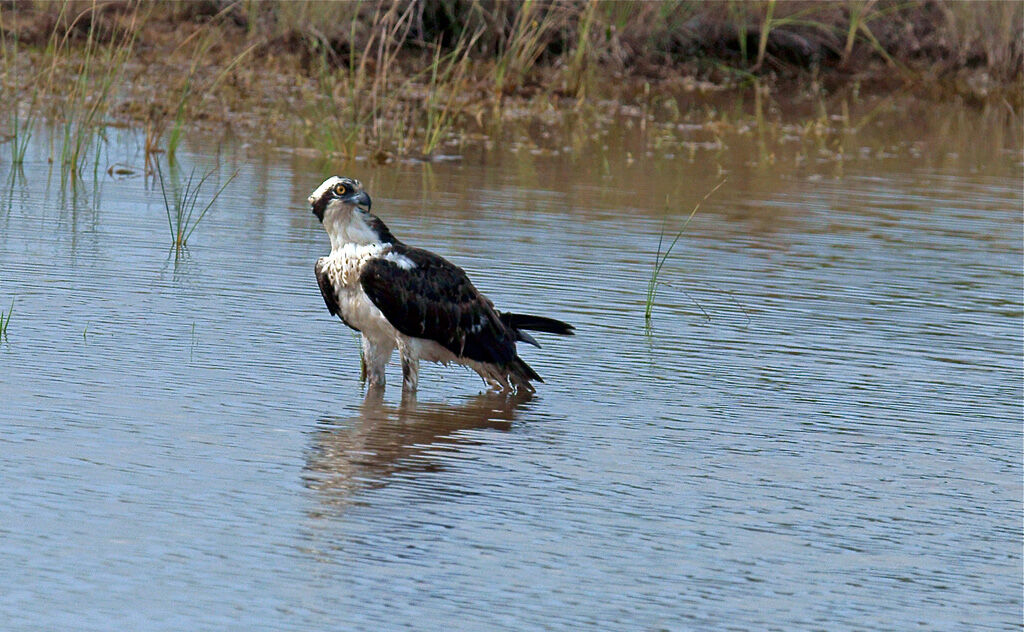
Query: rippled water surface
[{"x": 821, "y": 430}]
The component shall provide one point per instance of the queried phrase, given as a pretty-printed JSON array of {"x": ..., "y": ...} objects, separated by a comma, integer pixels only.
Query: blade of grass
[
  {"x": 212, "y": 200},
  {"x": 5, "y": 322},
  {"x": 167, "y": 203},
  {"x": 662, "y": 257},
  {"x": 182, "y": 203},
  {"x": 448, "y": 74}
]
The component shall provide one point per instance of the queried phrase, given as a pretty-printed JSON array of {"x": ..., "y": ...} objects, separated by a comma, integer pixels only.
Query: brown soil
[{"x": 230, "y": 69}]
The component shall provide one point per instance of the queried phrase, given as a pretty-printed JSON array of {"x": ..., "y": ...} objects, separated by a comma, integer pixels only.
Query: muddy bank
[{"x": 408, "y": 78}]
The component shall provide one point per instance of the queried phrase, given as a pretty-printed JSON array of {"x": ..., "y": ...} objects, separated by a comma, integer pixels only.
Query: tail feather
[
  {"x": 520, "y": 373},
  {"x": 537, "y": 323},
  {"x": 522, "y": 336},
  {"x": 517, "y": 374}
]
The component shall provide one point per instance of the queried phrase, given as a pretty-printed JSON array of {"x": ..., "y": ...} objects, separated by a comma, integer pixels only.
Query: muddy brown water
[{"x": 821, "y": 429}]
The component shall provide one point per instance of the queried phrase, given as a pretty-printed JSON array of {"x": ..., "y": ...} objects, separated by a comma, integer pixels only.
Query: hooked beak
[
  {"x": 319, "y": 206},
  {"x": 360, "y": 199}
]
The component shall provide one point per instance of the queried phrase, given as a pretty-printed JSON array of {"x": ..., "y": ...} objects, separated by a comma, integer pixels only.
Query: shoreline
[{"x": 373, "y": 88}]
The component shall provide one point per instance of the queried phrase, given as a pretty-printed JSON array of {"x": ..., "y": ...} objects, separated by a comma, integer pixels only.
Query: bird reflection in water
[{"x": 361, "y": 452}]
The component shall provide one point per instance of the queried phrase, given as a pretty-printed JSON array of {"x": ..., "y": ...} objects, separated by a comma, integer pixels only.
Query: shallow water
[{"x": 821, "y": 430}]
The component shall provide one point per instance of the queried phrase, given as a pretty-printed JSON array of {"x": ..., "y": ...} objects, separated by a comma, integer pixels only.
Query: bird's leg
[
  {"x": 373, "y": 401},
  {"x": 410, "y": 353},
  {"x": 376, "y": 355},
  {"x": 410, "y": 373}
]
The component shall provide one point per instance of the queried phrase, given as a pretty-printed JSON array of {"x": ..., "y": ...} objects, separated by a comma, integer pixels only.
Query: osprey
[{"x": 409, "y": 298}]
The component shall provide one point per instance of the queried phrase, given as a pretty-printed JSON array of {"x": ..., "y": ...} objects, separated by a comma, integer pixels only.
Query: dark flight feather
[
  {"x": 522, "y": 370},
  {"x": 537, "y": 323}
]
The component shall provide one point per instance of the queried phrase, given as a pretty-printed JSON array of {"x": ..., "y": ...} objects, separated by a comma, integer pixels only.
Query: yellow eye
[{"x": 340, "y": 189}]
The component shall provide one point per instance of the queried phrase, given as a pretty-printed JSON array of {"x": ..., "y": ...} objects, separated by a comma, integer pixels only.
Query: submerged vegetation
[{"x": 412, "y": 77}]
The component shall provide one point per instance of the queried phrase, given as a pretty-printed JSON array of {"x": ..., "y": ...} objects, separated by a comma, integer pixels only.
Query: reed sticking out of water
[
  {"x": 21, "y": 129},
  {"x": 661, "y": 257},
  {"x": 4, "y": 322},
  {"x": 21, "y": 132},
  {"x": 191, "y": 88},
  {"x": 90, "y": 75},
  {"x": 181, "y": 204}
]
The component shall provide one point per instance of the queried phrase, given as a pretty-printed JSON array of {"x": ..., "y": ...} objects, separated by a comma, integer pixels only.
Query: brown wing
[{"x": 436, "y": 300}]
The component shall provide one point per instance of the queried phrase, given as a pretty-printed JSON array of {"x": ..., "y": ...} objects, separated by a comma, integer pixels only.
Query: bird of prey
[{"x": 399, "y": 296}]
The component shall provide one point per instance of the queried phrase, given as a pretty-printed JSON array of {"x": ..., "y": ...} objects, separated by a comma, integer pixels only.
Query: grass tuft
[
  {"x": 530, "y": 35},
  {"x": 661, "y": 257},
  {"x": 87, "y": 76},
  {"x": 182, "y": 202},
  {"x": 448, "y": 79}
]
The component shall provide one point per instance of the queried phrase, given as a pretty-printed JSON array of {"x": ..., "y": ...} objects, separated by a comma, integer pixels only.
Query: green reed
[
  {"x": 210, "y": 36},
  {"x": 360, "y": 104},
  {"x": 21, "y": 133},
  {"x": 6, "y": 321},
  {"x": 181, "y": 205},
  {"x": 82, "y": 78},
  {"x": 581, "y": 59},
  {"x": 20, "y": 127},
  {"x": 661, "y": 257}
]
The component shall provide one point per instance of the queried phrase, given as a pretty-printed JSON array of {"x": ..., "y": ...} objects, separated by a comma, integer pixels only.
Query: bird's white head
[
  {"x": 343, "y": 207},
  {"x": 336, "y": 192}
]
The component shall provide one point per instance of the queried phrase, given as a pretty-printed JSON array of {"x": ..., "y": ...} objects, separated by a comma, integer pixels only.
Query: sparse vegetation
[
  {"x": 6, "y": 321},
  {"x": 21, "y": 133},
  {"x": 182, "y": 201},
  {"x": 83, "y": 76},
  {"x": 449, "y": 78},
  {"x": 661, "y": 256},
  {"x": 380, "y": 79}
]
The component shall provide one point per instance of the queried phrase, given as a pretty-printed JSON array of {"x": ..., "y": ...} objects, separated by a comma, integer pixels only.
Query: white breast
[
  {"x": 343, "y": 267},
  {"x": 344, "y": 264}
]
